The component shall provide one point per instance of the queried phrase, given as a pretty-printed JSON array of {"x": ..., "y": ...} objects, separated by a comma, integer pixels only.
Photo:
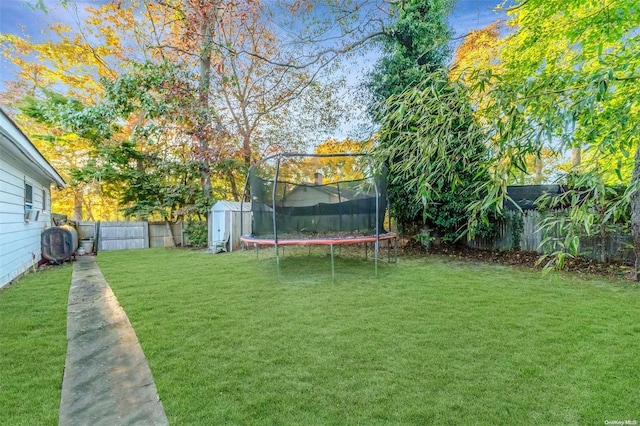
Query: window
[
  {"x": 29, "y": 213},
  {"x": 28, "y": 195}
]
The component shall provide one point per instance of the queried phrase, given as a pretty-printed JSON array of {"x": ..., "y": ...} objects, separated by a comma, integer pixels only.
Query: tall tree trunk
[
  {"x": 77, "y": 204},
  {"x": 204, "y": 119},
  {"x": 88, "y": 206},
  {"x": 172, "y": 241},
  {"x": 234, "y": 187},
  {"x": 246, "y": 150},
  {"x": 576, "y": 156},
  {"x": 537, "y": 177},
  {"x": 635, "y": 213}
]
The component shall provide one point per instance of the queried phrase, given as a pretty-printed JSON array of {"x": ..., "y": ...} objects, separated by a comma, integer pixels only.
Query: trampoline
[{"x": 318, "y": 199}]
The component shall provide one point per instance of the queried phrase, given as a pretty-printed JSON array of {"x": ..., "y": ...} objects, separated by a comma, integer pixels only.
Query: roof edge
[{"x": 29, "y": 150}]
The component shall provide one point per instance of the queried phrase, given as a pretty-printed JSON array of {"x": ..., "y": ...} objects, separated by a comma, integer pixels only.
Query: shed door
[{"x": 219, "y": 226}]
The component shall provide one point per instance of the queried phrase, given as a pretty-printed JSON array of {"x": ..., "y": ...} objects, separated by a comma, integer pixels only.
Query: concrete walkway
[{"x": 107, "y": 380}]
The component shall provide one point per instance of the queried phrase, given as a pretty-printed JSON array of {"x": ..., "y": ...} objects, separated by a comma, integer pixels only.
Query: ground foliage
[
  {"x": 523, "y": 258},
  {"x": 33, "y": 346}
]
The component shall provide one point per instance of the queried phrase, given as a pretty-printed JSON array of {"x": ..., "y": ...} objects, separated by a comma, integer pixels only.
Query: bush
[{"x": 197, "y": 232}]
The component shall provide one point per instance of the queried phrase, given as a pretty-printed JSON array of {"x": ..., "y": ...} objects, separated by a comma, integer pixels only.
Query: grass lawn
[
  {"x": 33, "y": 347},
  {"x": 432, "y": 341}
]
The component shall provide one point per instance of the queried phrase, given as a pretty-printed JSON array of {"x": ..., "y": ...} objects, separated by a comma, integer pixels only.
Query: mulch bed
[{"x": 522, "y": 258}]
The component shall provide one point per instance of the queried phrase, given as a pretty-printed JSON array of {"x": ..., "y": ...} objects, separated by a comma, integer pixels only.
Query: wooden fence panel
[
  {"x": 616, "y": 245},
  {"x": 531, "y": 235},
  {"x": 123, "y": 235},
  {"x": 163, "y": 234},
  {"x": 236, "y": 231},
  {"x": 502, "y": 241}
]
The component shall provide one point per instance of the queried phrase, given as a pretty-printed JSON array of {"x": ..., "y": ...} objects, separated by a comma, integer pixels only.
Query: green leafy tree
[
  {"x": 568, "y": 77},
  {"x": 428, "y": 135},
  {"x": 71, "y": 136},
  {"x": 140, "y": 153},
  {"x": 598, "y": 211},
  {"x": 414, "y": 46},
  {"x": 154, "y": 161},
  {"x": 436, "y": 154}
]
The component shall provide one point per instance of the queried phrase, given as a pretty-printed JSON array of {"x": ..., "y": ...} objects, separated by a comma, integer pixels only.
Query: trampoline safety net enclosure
[{"x": 316, "y": 197}]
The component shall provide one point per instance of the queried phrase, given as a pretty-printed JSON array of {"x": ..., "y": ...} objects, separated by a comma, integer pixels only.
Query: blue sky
[
  {"x": 17, "y": 17},
  {"x": 474, "y": 14}
]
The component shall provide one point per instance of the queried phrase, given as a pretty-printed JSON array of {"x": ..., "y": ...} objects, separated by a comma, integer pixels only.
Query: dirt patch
[{"x": 522, "y": 258}]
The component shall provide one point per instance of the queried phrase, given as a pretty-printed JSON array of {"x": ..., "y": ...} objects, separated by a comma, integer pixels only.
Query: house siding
[
  {"x": 306, "y": 196},
  {"x": 19, "y": 240}
]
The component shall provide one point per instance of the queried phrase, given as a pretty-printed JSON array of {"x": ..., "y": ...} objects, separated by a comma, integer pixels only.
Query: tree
[
  {"x": 271, "y": 107},
  {"x": 479, "y": 49},
  {"x": 568, "y": 76},
  {"x": 241, "y": 90},
  {"x": 57, "y": 125},
  {"x": 428, "y": 136},
  {"x": 346, "y": 168},
  {"x": 151, "y": 157},
  {"x": 437, "y": 156},
  {"x": 246, "y": 83},
  {"x": 413, "y": 47},
  {"x": 62, "y": 70}
]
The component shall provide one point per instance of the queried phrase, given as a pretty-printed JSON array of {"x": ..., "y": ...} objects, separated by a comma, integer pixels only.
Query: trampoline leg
[
  {"x": 366, "y": 251},
  {"x": 377, "y": 249},
  {"x": 278, "y": 261},
  {"x": 395, "y": 246},
  {"x": 256, "y": 247},
  {"x": 333, "y": 270}
]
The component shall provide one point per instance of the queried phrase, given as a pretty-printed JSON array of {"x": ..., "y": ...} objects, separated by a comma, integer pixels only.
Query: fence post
[{"x": 145, "y": 231}]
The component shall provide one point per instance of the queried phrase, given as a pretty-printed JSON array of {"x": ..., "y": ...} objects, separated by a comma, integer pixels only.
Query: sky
[
  {"x": 17, "y": 17},
  {"x": 474, "y": 14}
]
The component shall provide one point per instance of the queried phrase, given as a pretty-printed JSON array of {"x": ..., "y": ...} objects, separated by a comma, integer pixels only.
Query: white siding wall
[
  {"x": 305, "y": 196},
  {"x": 19, "y": 240}
]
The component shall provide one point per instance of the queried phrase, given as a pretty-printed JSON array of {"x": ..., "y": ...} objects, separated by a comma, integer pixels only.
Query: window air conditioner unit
[{"x": 31, "y": 215}]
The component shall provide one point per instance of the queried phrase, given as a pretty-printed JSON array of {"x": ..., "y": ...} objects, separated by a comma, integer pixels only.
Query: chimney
[{"x": 317, "y": 178}]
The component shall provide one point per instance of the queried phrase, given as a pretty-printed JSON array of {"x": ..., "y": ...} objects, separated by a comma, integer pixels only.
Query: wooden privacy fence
[
  {"x": 613, "y": 246},
  {"x": 123, "y": 235},
  {"x": 133, "y": 235}
]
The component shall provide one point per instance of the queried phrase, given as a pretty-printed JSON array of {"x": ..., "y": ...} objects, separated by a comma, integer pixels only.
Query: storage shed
[{"x": 224, "y": 225}]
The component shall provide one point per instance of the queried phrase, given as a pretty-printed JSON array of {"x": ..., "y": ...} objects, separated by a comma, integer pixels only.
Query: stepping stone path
[{"x": 107, "y": 380}]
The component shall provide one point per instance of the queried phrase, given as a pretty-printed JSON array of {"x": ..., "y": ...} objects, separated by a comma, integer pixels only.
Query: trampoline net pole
[{"x": 377, "y": 243}]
